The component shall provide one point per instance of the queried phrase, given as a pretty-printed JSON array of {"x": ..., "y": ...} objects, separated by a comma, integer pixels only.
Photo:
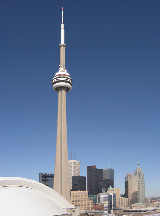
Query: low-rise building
[
  {"x": 80, "y": 199},
  {"x": 120, "y": 201},
  {"x": 98, "y": 207},
  {"x": 106, "y": 200}
]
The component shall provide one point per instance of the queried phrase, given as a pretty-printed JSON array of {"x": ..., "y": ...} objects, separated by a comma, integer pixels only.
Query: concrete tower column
[
  {"x": 62, "y": 83},
  {"x": 61, "y": 172}
]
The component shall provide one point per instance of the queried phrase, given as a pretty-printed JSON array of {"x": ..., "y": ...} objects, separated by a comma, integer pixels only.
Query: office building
[
  {"x": 120, "y": 201},
  {"x": 80, "y": 199},
  {"x": 113, "y": 195},
  {"x": 74, "y": 170},
  {"x": 135, "y": 187},
  {"x": 114, "y": 190},
  {"x": 131, "y": 188},
  {"x": 108, "y": 174},
  {"x": 106, "y": 200},
  {"x": 62, "y": 83},
  {"x": 97, "y": 181},
  {"x": 141, "y": 184},
  {"x": 46, "y": 179},
  {"x": 78, "y": 183},
  {"x": 94, "y": 176},
  {"x": 104, "y": 185}
]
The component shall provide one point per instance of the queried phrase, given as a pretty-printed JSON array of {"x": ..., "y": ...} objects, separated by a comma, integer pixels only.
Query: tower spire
[
  {"x": 62, "y": 15},
  {"x": 62, "y": 29}
]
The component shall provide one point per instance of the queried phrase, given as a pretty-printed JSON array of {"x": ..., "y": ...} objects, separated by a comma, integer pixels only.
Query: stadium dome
[{"x": 25, "y": 197}]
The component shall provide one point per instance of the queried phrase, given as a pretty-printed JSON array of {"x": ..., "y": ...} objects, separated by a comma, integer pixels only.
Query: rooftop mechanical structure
[{"x": 62, "y": 83}]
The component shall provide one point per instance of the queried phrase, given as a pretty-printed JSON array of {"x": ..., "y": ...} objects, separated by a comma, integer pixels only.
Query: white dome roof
[{"x": 24, "y": 197}]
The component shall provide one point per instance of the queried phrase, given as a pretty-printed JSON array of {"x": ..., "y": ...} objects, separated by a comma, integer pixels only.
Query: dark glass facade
[
  {"x": 94, "y": 176},
  {"x": 126, "y": 187},
  {"x": 104, "y": 185},
  {"x": 78, "y": 183},
  {"x": 46, "y": 179},
  {"x": 109, "y": 174}
]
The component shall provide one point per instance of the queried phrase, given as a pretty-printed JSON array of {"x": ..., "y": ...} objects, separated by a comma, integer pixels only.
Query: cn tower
[{"x": 62, "y": 83}]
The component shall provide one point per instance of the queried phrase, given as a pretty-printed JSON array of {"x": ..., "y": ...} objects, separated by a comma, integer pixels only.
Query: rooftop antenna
[
  {"x": 62, "y": 15},
  {"x": 71, "y": 155}
]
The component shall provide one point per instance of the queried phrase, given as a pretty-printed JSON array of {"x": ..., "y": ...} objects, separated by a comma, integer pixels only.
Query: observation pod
[{"x": 62, "y": 80}]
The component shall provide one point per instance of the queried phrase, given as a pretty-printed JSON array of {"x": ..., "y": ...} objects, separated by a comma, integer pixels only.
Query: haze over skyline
[{"x": 113, "y": 110}]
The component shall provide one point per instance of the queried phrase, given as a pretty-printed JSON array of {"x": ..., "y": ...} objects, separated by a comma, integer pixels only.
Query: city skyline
[{"x": 113, "y": 57}]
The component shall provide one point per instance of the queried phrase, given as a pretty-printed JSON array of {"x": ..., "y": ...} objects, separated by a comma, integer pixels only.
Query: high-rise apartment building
[
  {"x": 62, "y": 83},
  {"x": 74, "y": 170},
  {"x": 135, "y": 187},
  {"x": 78, "y": 183},
  {"x": 46, "y": 179},
  {"x": 108, "y": 174}
]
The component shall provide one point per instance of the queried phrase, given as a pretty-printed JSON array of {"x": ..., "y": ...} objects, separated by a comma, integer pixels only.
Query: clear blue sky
[{"x": 113, "y": 111}]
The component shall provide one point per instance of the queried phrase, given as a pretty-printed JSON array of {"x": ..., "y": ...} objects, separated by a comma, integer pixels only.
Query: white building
[
  {"x": 25, "y": 197},
  {"x": 74, "y": 170},
  {"x": 106, "y": 200}
]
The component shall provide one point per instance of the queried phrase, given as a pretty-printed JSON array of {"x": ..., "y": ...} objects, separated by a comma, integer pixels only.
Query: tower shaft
[
  {"x": 61, "y": 172},
  {"x": 62, "y": 83}
]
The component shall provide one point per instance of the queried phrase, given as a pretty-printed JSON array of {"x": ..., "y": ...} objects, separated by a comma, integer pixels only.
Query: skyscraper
[
  {"x": 131, "y": 188},
  {"x": 108, "y": 174},
  {"x": 94, "y": 176},
  {"x": 141, "y": 184},
  {"x": 78, "y": 183},
  {"x": 103, "y": 185},
  {"x": 74, "y": 170},
  {"x": 46, "y": 179},
  {"x": 135, "y": 186},
  {"x": 62, "y": 83}
]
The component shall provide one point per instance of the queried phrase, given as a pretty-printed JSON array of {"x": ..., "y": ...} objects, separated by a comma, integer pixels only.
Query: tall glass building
[
  {"x": 94, "y": 176},
  {"x": 46, "y": 179},
  {"x": 141, "y": 184},
  {"x": 108, "y": 174},
  {"x": 78, "y": 183}
]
